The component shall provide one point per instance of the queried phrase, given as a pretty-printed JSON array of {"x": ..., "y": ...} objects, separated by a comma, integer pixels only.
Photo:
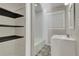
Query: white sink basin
[
  {"x": 62, "y": 37},
  {"x": 61, "y": 45}
]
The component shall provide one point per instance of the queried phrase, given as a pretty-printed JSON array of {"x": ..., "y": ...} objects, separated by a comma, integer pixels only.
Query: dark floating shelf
[
  {"x": 1, "y": 25},
  {"x": 7, "y": 13},
  {"x": 8, "y": 38}
]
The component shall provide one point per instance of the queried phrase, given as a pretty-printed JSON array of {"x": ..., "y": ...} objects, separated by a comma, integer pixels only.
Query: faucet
[{"x": 68, "y": 35}]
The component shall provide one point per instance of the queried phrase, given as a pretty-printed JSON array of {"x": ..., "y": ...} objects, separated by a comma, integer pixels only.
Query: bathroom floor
[{"x": 45, "y": 51}]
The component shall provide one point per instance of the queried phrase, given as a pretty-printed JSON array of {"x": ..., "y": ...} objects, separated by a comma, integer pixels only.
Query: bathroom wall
[
  {"x": 13, "y": 47},
  {"x": 56, "y": 25},
  {"x": 54, "y": 19},
  {"x": 75, "y": 33}
]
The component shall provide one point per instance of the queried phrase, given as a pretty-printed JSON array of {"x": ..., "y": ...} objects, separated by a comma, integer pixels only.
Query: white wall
[
  {"x": 51, "y": 23},
  {"x": 75, "y": 33},
  {"x": 56, "y": 23}
]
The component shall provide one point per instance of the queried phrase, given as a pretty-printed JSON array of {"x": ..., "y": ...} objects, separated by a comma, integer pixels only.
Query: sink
[
  {"x": 62, "y": 37},
  {"x": 61, "y": 45}
]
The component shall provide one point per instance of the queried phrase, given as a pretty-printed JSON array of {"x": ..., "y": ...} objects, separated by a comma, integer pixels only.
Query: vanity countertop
[{"x": 62, "y": 37}]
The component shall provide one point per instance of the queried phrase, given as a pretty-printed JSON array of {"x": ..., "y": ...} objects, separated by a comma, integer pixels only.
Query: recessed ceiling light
[{"x": 66, "y": 3}]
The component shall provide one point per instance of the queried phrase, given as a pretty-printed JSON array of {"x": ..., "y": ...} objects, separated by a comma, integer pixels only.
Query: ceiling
[
  {"x": 38, "y": 8},
  {"x": 47, "y": 6}
]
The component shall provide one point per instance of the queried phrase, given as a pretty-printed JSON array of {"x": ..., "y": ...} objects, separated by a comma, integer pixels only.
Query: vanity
[{"x": 65, "y": 45}]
